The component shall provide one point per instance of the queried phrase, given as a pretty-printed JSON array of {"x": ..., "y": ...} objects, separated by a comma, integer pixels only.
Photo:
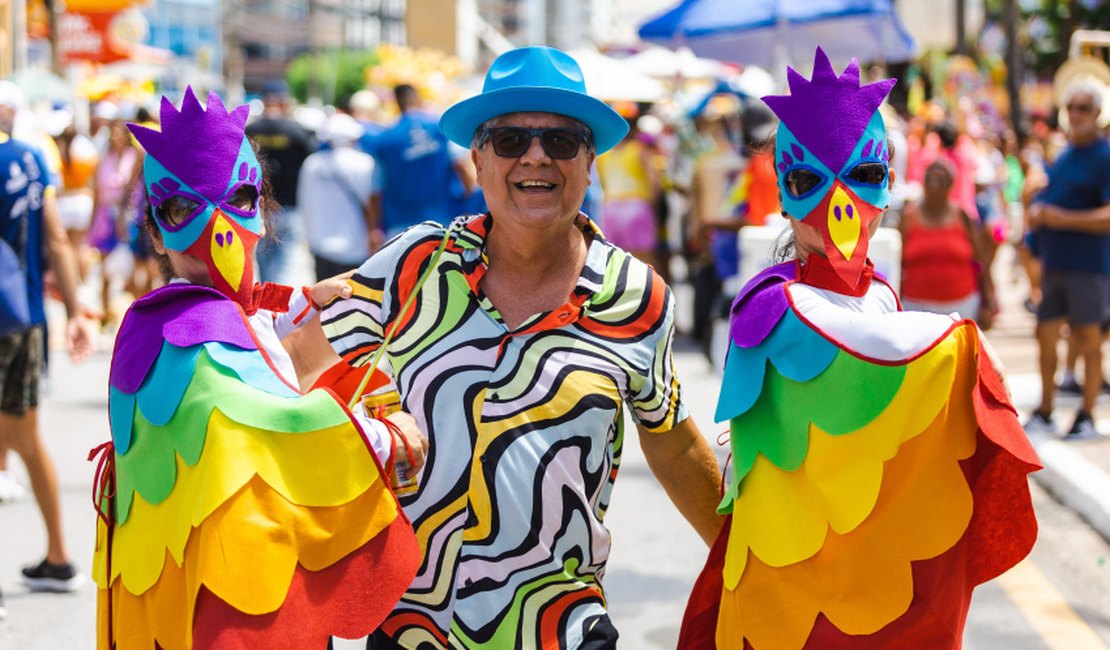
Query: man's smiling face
[{"x": 534, "y": 189}]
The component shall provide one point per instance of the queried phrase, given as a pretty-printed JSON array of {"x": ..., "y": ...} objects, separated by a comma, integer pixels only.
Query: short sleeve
[
  {"x": 354, "y": 326},
  {"x": 657, "y": 401}
]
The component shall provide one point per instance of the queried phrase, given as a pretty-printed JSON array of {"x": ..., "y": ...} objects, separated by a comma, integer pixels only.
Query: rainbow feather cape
[
  {"x": 878, "y": 476},
  {"x": 245, "y": 515}
]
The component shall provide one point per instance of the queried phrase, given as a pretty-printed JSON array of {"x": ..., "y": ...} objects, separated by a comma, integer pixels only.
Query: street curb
[{"x": 1075, "y": 481}]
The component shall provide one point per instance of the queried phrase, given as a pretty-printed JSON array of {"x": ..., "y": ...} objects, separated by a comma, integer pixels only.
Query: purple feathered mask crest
[
  {"x": 198, "y": 146},
  {"x": 831, "y": 132}
]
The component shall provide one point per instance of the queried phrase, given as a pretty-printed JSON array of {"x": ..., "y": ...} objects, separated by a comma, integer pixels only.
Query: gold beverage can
[
  {"x": 403, "y": 477},
  {"x": 380, "y": 404}
]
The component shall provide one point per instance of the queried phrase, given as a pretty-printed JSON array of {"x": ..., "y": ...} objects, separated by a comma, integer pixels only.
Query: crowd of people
[
  {"x": 513, "y": 258},
  {"x": 678, "y": 188},
  {"x": 965, "y": 183}
]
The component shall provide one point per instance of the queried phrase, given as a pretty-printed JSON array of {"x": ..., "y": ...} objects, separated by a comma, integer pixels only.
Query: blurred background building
[
  {"x": 261, "y": 37},
  {"x": 325, "y": 48}
]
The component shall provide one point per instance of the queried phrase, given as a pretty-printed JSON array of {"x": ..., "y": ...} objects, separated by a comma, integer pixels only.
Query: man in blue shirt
[
  {"x": 30, "y": 226},
  {"x": 416, "y": 176},
  {"x": 1072, "y": 215}
]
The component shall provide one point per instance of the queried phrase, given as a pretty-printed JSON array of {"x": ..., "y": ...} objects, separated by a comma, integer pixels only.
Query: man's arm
[
  {"x": 685, "y": 466},
  {"x": 79, "y": 332},
  {"x": 464, "y": 169},
  {"x": 373, "y": 210},
  {"x": 1095, "y": 221},
  {"x": 373, "y": 215}
]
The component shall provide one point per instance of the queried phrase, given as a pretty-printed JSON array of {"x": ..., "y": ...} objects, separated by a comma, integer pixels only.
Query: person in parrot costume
[
  {"x": 879, "y": 470},
  {"x": 235, "y": 510}
]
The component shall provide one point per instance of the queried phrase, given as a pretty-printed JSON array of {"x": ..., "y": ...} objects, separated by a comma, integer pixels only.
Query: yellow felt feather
[
  {"x": 862, "y": 580},
  {"x": 784, "y": 516},
  {"x": 245, "y": 553},
  {"x": 321, "y": 468}
]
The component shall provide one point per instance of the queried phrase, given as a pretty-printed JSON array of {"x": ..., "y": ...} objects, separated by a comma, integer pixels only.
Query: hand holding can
[{"x": 409, "y": 450}]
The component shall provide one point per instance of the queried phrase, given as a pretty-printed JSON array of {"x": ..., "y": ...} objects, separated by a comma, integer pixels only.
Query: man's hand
[
  {"x": 1093, "y": 221},
  {"x": 80, "y": 334},
  {"x": 1035, "y": 214},
  {"x": 408, "y": 432},
  {"x": 377, "y": 239},
  {"x": 329, "y": 289}
]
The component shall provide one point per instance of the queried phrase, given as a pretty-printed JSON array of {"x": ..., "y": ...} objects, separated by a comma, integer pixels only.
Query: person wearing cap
[
  {"x": 284, "y": 145},
  {"x": 334, "y": 195},
  {"x": 517, "y": 355},
  {"x": 102, "y": 115},
  {"x": 31, "y": 232},
  {"x": 365, "y": 107},
  {"x": 79, "y": 160}
]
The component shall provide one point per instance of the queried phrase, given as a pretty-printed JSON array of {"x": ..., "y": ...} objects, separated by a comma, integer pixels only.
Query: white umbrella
[
  {"x": 663, "y": 63},
  {"x": 611, "y": 79},
  {"x": 39, "y": 85},
  {"x": 754, "y": 81}
]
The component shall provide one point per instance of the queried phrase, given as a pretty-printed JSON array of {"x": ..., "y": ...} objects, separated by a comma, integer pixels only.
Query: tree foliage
[
  {"x": 1045, "y": 27},
  {"x": 333, "y": 76}
]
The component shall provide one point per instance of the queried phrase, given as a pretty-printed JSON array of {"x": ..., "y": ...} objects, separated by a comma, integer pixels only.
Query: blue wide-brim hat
[{"x": 534, "y": 79}]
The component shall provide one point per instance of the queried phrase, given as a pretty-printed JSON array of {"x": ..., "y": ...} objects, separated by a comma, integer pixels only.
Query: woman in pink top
[
  {"x": 116, "y": 175},
  {"x": 944, "y": 253}
]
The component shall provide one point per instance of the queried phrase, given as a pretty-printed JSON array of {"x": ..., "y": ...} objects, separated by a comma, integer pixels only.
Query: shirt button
[{"x": 483, "y": 458}]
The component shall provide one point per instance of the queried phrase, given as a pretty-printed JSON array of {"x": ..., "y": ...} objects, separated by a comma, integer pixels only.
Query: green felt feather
[
  {"x": 149, "y": 466},
  {"x": 842, "y": 399}
]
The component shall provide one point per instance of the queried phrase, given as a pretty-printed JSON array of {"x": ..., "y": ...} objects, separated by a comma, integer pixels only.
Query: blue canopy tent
[{"x": 774, "y": 33}]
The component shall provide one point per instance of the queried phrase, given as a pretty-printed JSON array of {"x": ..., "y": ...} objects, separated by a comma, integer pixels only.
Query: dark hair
[
  {"x": 405, "y": 95},
  {"x": 947, "y": 133},
  {"x": 267, "y": 205},
  {"x": 64, "y": 140},
  {"x": 944, "y": 165},
  {"x": 164, "y": 266}
]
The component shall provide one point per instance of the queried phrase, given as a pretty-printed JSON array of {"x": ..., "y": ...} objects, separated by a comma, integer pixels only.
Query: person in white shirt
[{"x": 333, "y": 193}]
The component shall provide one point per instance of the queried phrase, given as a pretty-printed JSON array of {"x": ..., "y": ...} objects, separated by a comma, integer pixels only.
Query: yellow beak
[
  {"x": 844, "y": 222},
  {"x": 227, "y": 251}
]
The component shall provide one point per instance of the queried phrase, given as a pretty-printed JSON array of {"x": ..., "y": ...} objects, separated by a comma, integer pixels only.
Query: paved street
[{"x": 1059, "y": 599}]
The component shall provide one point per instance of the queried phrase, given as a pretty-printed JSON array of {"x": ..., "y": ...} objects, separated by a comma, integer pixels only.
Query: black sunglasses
[{"x": 514, "y": 141}]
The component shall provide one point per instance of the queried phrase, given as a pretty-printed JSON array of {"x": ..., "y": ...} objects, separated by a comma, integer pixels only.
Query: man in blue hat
[{"x": 517, "y": 356}]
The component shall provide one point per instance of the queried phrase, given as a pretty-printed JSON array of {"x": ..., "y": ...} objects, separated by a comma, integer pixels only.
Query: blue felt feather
[
  {"x": 121, "y": 416},
  {"x": 251, "y": 367},
  {"x": 795, "y": 350},
  {"x": 164, "y": 387}
]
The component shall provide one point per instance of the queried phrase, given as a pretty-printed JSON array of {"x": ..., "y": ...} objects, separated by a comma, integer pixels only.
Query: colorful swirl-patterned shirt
[{"x": 525, "y": 426}]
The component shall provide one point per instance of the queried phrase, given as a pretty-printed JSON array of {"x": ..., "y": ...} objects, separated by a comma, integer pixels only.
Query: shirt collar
[{"x": 469, "y": 242}]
